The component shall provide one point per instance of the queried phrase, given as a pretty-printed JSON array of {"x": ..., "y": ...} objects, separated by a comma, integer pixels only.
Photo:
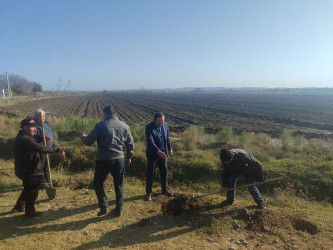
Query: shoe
[
  {"x": 117, "y": 212},
  {"x": 18, "y": 208},
  {"x": 261, "y": 205},
  {"x": 169, "y": 194},
  {"x": 102, "y": 211},
  {"x": 226, "y": 203},
  {"x": 147, "y": 197},
  {"x": 32, "y": 215}
]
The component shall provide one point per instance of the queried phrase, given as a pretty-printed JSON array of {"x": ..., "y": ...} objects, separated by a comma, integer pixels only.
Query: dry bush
[
  {"x": 287, "y": 139},
  {"x": 193, "y": 137}
]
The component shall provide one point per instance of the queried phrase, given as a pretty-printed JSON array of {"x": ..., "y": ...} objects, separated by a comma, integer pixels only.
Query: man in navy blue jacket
[{"x": 158, "y": 149}]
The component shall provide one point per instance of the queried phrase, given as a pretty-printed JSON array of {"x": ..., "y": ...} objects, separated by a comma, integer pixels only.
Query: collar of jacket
[
  {"x": 153, "y": 122},
  {"x": 22, "y": 133},
  {"x": 112, "y": 117}
]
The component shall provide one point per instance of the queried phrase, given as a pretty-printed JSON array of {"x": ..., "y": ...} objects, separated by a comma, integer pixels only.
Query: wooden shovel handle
[{"x": 242, "y": 186}]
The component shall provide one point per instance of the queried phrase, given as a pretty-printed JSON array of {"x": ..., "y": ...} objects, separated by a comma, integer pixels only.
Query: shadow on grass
[
  {"x": 11, "y": 188},
  {"x": 148, "y": 230},
  {"x": 161, "y": 227},
  {"x": 20, "y": 225}
]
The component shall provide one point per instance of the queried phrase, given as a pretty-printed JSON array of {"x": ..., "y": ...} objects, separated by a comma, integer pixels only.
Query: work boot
[
  {"x": 147, "y": 197},
  {"x": 19, "y": 207},
  {"x": 102, "y": 211},
  {"x": 261, "y": 205},
  {"x": 169, "y": 194},
  {"x": 117, "y": 212},
  {"x": 33, "y": 214},
  {"x": 226, "y": 203}
]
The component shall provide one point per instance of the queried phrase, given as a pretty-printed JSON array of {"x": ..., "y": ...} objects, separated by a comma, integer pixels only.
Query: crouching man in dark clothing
[
  {"x": 27, "y": 166},
  {"x": 115, "y": 146},
  {"x": 235, "y": 163}
]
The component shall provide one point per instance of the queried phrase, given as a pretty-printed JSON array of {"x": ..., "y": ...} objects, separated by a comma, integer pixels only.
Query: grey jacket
[{"x": 114, "y": 139}]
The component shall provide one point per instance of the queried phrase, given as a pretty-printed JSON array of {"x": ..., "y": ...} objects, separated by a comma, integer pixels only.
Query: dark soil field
[{"x": 310, "y": 115}]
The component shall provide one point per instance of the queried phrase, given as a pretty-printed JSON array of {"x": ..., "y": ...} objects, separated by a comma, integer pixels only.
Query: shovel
[
  {"x": 193, "y": 197},
  {"x": 50, "y": 191}
]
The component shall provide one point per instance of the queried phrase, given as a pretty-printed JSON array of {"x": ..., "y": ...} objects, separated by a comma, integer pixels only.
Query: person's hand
[
  {"x": 48, "y": 138},
  {"x": 171, "y": 152},
  {"x": 161, "y": 154},
  {"x": 62, "y": 153},
  {"x": 128, "y": 161},
  {"x": 223, "y": 189},
  {"x": 84, "y": 134}
]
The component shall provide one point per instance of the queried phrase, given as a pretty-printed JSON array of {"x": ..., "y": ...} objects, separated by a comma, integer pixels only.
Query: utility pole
[
  {"x": 9, "y": 90},
  {"x": 68, "y": 86},
  {"x": 59, "y": 86}
]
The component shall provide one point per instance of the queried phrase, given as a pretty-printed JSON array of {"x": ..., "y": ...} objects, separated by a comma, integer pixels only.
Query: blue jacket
[
  {"x": 48, "y": 132},
  {"x": 154, "y": 142}
]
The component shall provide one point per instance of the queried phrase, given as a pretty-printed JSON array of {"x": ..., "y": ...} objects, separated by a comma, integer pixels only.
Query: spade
[{"x": 193, "y": 197}]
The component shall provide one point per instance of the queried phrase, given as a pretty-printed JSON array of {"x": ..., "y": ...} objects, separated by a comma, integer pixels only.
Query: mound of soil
[
  {"x": 305, "y": 226},
  {"x": 175, "y": 206},
  {"x": 263, "y": 219}
]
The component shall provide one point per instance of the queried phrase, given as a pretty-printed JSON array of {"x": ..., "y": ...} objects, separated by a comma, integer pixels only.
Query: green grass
[{"x": 307, "y": 165}]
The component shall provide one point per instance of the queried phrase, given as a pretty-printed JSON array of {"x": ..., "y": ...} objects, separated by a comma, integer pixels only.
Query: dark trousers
[
  {"x": 162, "y": 165},
  {"x": 29, "y": 194},
  {"x": 116, "y": 168},
  {"x": 249, "y": 178},
  {"x": 45, "y": 170}
]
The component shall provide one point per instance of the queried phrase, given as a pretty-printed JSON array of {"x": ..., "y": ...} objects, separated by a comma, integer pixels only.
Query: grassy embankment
[
  {"x": 292, "y": 221},
  {"x": 307, "y": 165}
]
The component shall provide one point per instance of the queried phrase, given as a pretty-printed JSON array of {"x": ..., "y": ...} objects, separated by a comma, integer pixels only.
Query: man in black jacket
[
  {"x": 235, "y": 163},
  {"x": 158, "y": 149},
  {"x": 27, "y": 166}
]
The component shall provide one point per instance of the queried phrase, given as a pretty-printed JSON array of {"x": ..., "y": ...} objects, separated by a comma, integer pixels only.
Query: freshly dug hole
[
  {"x": 305, "y": 226},
  {"x": 175, "y": 206}
]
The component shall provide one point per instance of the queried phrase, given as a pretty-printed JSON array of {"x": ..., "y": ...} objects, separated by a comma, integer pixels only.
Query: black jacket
[
  {"x": 26, "y": 155},
  {"x": 241, "y": 163}
]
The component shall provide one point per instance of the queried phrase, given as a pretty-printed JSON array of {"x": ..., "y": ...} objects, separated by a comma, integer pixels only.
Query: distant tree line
[{"x": 20, "y": 85}]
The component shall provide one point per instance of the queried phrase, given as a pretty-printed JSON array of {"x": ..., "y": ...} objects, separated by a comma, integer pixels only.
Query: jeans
[
  {"x": 29, "y": 193},
  {"x": 249, "y": 178},
  {"x": 162, "y": 164},
  {"x": 116, "y": 167}
]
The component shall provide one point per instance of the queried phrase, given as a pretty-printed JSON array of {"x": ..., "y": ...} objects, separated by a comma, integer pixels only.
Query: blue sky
[{"x": 130, "y": 44}]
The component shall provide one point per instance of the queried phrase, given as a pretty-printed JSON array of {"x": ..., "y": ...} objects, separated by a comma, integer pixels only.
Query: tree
[{"x": 21, "y": 85}]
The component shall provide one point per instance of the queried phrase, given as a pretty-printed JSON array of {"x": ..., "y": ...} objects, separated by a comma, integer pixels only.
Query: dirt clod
[
  {"x": 175, "y": 206},
  {"x": 305, "y": 226}
]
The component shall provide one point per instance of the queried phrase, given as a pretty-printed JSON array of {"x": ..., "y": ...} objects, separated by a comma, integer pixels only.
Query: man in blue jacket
[
  {"x": 39, "y": 117},
  {"x": 158, "y": 149}
]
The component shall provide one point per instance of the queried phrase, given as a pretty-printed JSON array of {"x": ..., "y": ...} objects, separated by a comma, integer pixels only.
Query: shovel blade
[{"x": 51, "y": 192}]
